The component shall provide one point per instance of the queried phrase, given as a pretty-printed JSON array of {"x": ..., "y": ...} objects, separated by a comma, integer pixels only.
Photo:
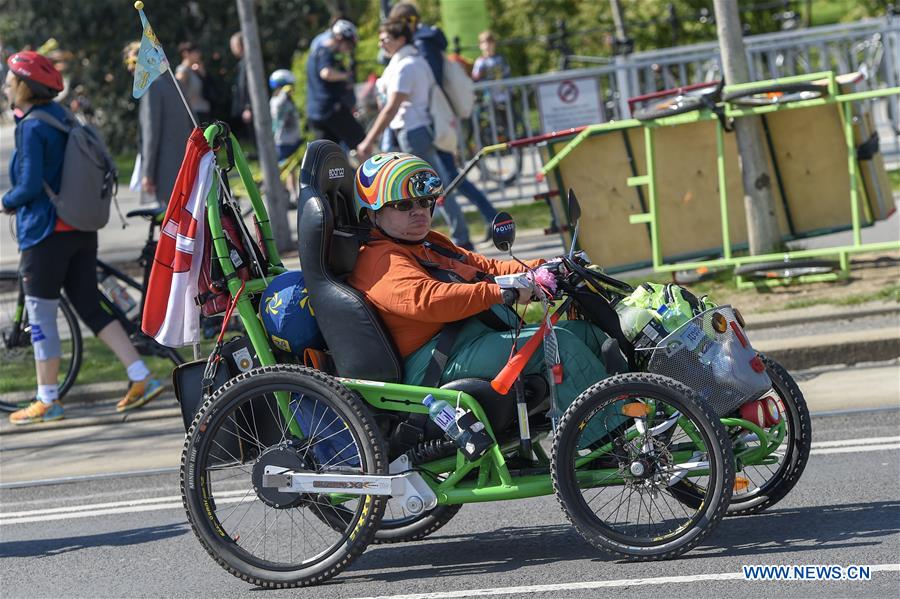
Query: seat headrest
[{"x": 325, "y": 169}]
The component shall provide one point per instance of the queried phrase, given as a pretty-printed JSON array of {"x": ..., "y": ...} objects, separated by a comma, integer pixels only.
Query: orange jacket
[{"x": 413, "y": 305}]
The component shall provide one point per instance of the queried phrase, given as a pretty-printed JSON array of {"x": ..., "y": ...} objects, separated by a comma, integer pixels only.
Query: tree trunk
[
  {"x": 759, "y": 203},
  {"x": 276, "y": 195}
]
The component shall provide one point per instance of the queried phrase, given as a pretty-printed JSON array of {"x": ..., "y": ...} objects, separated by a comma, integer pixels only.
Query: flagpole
[
  {"x": 225, "y": 189},
  {"x": 139, "y": 6},
  {"x": 181, "y": 95}
]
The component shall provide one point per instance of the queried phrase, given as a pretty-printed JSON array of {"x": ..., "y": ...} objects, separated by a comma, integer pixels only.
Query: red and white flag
[{"x": 171, "y": 314}]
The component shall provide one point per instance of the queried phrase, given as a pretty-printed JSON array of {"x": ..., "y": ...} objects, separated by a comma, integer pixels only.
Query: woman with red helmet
[{"x": 55, "y": 254}]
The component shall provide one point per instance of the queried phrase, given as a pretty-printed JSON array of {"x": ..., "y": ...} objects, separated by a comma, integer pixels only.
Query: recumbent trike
[{"x": 290, "y": 472}]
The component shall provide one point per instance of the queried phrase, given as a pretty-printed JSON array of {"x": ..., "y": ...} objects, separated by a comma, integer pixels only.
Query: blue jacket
[{"x": 38, "y": 157}]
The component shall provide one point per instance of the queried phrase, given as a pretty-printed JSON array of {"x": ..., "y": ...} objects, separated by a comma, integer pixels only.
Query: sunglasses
[{"x": 407, "y": 205}]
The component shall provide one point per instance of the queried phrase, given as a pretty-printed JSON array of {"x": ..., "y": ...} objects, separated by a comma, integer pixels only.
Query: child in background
[
  {"x": 490, "y": 65},
  {"x": 285, "y": 123}
]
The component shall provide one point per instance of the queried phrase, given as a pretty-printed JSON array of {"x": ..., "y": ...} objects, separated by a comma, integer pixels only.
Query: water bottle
[
  {"x": 669, "y": 318},
  {"x": 443, "y": 415},
  {"x": 465, "y": 430},
  {"x": 118, "y": 294}
]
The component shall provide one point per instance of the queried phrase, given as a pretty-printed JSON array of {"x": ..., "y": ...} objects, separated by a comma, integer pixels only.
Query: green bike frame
[{"x": 493, "y": 481}]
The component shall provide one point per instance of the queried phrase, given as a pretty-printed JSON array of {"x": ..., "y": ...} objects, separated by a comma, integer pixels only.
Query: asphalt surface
[{"x": 845, "y": 510}]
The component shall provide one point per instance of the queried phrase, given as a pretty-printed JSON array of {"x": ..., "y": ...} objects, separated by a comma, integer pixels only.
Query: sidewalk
[{"x": 830, "y": 335}]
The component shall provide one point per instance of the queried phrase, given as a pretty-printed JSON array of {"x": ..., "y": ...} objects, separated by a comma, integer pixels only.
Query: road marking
[
  {"x": 885, "y": 447},
  {"x": 87, "y": 477},
  {"x": 849, "y": 442},
  {"x": 134, "y": 506},
  {"x": 593, "y": 584},
  {"x": 114, "y": 507}
]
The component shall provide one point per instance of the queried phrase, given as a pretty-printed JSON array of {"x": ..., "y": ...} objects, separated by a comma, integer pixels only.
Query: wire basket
[{"x": 714, "y": 358}]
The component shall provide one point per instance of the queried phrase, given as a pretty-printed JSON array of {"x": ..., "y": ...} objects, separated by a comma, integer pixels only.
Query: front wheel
[
  {"x": 620, "y": 447},
  {"x": 291, "y": 417}
]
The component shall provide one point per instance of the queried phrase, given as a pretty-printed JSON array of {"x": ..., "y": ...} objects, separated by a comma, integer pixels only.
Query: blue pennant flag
[{"x": 151, "y": 60}]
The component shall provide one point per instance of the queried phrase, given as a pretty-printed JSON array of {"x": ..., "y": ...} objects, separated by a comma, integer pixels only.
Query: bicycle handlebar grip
[{"x": 510, "y": 296}]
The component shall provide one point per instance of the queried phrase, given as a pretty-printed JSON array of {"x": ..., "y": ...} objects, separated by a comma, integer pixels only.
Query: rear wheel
[
  {"x": 260, "y": 534},
  {"x": 620, "y": 447},
  {"x": 767, "y": 483},
  {"x": 18, "y": 380},
  {"x": 399, "y": 527}
]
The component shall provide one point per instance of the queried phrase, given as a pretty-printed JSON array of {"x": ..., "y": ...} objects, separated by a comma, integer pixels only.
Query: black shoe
[{"x": 466, "y": 246}]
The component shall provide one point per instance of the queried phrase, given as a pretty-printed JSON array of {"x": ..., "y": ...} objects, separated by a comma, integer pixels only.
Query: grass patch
[
  {"x": 98, "y": 365},
  {"x": 125, "y": 166},
  {"x": 534, "y": 215},
  {"x": 894, "y": 176},
  {"x": 891, "y": 293}
]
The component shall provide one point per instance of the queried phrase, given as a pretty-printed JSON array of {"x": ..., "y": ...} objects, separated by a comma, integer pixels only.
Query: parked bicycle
[
  {"x": 16, "y": 352},
  {"x": 494, "y": 123}
]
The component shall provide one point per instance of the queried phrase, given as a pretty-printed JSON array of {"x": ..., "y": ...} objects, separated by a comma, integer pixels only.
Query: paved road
[{"x": 58, "y": 541}]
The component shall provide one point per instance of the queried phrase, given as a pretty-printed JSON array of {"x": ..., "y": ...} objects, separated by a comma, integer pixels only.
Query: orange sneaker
[
  {"x": 38, "y": 411},
  {"x": 139, "y": 393}
]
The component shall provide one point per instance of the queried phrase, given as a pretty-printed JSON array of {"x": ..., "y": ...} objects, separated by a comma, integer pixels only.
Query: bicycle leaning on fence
[{"x": 16, "y": 352}]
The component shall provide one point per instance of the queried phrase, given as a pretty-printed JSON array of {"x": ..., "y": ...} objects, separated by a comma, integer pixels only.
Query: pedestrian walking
[
  {"x": 431, "y": 43},
  {"x": 54, "y": 254},
  {"x": 164, "y": 128},
  {"x": 405, "y": 87},
  {"x": 241, "y": 112},
  {"x": 285, "y": 123},
  {"x": 191, "y": 75},
  {"x": 330, "y": 95}
]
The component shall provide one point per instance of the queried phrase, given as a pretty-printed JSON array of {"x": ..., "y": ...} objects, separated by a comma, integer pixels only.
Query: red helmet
[{"x": 37, "y": 71}]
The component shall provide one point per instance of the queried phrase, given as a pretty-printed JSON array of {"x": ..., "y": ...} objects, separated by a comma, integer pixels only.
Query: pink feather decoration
[{"x": 545, "y": 279}]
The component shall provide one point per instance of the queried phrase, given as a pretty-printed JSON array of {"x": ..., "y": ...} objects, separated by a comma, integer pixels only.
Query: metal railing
[{"x": 508, "y": 109}]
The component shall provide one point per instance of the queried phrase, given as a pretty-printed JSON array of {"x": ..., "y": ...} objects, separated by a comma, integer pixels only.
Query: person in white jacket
[{"x": 405, "y": 88}]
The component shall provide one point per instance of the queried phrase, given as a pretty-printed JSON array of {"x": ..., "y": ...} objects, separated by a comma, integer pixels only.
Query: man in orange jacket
[{"x": 419, "y": 281}]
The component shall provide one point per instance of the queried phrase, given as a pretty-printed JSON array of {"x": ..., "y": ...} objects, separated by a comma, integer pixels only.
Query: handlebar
[{"x": 562, "y": 269}]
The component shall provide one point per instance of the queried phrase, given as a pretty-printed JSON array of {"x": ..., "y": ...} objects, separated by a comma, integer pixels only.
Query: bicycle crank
[{"x": 409, "y": 485}]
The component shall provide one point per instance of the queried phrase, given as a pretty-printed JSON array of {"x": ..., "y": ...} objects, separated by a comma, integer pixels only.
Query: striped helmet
[{"x": 392, "y": 177}]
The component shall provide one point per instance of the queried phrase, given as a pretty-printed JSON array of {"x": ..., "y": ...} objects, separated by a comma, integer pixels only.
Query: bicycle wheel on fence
[
  {"x": 786, "y": 269},
  {"x": 776, "y": 94},
  {"x": 769, "y": 482},
  {"x": 684, "y": 102},
  {"x": 501, "y": 167},
  {"x": 18, "y": 380},
  {"x": 256, "y": 532},
  {"x": 621, "y": 446}
]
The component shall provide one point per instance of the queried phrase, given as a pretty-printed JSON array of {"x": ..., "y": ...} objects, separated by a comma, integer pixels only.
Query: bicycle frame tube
[
  {"x": 244, "y": 305},
  {"x": 107, "y": 269}
]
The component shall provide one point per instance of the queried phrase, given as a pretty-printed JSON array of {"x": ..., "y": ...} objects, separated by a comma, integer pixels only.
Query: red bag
[{"x": 213, "y": 296}]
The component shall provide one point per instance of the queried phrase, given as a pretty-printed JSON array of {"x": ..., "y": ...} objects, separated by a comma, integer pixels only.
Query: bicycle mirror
[
  {"x": 503, "y": 231},
  {"x": 574, "y": 209}
]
